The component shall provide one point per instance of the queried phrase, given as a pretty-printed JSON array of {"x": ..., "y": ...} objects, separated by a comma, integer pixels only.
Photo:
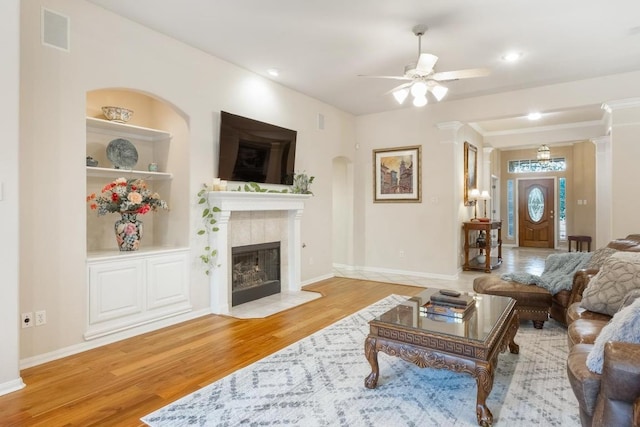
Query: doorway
[{"x": 536, "y": 208}]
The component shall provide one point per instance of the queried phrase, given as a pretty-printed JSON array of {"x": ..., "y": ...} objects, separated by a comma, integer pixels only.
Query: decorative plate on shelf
[{"x": 122, "y": 153}]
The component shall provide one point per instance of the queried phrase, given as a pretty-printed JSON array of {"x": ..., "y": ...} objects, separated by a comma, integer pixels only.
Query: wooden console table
[{"x": 472, "y": 230}]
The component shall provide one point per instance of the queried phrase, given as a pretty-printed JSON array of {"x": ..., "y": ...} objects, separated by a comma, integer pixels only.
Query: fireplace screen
[{"x": 255, "y": 272}]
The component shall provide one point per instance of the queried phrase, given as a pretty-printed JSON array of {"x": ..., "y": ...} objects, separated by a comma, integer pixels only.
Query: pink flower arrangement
[{"x": 126, "y": 195}]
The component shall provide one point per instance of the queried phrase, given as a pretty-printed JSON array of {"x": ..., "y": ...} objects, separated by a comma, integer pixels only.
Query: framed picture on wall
[
  {"x": 470, "y": 171},
  {"x": 397, "y": 174}
]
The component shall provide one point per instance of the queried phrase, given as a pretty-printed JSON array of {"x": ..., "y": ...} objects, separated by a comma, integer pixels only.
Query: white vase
[{"x": 481, "y": 259}]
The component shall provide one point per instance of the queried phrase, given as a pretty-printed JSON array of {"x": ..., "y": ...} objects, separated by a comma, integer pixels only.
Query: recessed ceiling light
[
  {"x": 512, "y": 56},
  {"x": 273, "y": 72},
  {"x": 534, "y": 116}
]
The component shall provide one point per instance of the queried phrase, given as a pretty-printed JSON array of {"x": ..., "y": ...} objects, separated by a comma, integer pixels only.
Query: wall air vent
[{"x": 54, "y": 29}]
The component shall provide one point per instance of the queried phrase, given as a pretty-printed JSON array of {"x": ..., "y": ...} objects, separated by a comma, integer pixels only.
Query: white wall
[
  {"x": 429, "y": 233},
  {"x": 9, "y": 84},
  {"x": 625, "y": 151},
  {"x": 109, "y": 52}
]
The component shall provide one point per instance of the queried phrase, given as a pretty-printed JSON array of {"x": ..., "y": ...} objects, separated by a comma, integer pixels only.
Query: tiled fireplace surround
[{"x": 250, "y": 218}]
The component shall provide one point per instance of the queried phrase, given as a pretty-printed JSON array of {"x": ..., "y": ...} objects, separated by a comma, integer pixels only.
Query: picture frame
[
  {"x": 397, "y": 174},
  {"x": 470, "y": 171}
]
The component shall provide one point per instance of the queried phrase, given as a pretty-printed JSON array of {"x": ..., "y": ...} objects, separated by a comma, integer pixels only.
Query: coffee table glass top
[{"x": 476, "y": 325}]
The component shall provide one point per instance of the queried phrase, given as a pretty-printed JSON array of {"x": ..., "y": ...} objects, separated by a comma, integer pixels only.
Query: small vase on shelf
[{"x": 128, "y": 231}]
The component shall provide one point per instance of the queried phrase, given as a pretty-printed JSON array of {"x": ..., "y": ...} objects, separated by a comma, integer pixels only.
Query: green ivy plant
[
  {"x": 209, "y": 256},
  {"x": 301, "y": 185}
]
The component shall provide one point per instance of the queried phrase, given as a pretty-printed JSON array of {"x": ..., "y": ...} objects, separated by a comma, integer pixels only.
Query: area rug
[{"x": 319, "y": 381}]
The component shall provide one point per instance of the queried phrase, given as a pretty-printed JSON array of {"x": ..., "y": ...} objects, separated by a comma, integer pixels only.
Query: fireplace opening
[{"x": 255, "y": 272}]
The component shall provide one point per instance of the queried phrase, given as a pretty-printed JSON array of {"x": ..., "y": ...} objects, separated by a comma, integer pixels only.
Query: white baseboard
[
  {"x": 11, "y": 386},
  {"x": 119, "y": 336},
  {"x": 399, "y": 272},
  {"x": 317, "y": 279}
]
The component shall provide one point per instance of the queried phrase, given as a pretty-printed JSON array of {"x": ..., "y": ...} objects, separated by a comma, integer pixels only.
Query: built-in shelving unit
[
  {"x": 125, "y": 130},
  {"x": 97, "y": 172},
  {"x": 130, "y": 289}
]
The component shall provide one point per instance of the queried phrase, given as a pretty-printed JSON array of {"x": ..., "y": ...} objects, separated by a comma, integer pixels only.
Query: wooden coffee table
[{"x": 470, "y": 345}]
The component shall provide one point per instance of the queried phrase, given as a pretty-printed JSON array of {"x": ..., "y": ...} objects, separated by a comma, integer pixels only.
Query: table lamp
[
  {"x": 484, "y": 196},
  {"x": 475, "y": 195}
]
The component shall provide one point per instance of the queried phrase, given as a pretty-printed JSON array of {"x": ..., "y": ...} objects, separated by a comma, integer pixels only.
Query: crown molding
[
  {"x": 453, "y": 125},
  {"x": 542, "y": 128},
  {"x": 620, "y": 104}
]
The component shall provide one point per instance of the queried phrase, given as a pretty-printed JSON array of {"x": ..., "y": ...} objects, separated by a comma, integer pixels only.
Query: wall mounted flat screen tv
[{"x": 253, "y": 151}]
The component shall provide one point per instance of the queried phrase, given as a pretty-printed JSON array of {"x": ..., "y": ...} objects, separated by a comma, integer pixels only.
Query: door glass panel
[{"x": 535, "y": 204}]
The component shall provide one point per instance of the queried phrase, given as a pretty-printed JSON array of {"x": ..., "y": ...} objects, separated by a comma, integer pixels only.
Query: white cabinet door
[
  {"x": 116, "y": 290},
  {"x": 167, "y": 281}
]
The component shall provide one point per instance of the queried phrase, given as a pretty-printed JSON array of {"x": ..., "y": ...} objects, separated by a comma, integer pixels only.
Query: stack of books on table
[{"x": 444, "y": 305}]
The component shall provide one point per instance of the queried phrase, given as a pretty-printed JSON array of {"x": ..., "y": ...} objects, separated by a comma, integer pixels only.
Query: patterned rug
[{"x": 319, "y": 381}]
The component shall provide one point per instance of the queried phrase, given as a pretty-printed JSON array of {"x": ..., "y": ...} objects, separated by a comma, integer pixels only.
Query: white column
[
  {"x": 219, "y": 279},
  {"x": 449, "y": 136},
  {"x": 625, "y": 151},
  {"x": 295, "y": 252},
  {"x": 603, "y": 191},
  {"x": 486, "y": 181}
]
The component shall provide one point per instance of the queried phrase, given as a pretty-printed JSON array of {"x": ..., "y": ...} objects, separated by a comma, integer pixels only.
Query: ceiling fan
[{"x": 422, "y": 78}]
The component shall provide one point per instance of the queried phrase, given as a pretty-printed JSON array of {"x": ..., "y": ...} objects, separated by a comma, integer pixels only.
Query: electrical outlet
[
  {"x": 27, "y": 320},
  {"x": 41, "y": 317},
  {"x": 401, "y": 254}
]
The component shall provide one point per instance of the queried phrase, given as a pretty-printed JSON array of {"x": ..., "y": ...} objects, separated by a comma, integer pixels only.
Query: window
[
  {"x": 510, "y": 209},
  {"x": 562, "y": 208},
  {"x": 535, "y": 204},
  {"x": 534, "y": 166}
]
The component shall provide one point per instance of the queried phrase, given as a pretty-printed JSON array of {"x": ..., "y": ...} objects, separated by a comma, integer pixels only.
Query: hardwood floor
[
  {"x": 121, "y": 382},
  {"x": 117, "y": 384}
]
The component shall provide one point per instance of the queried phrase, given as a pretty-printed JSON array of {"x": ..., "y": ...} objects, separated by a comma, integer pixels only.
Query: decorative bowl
[{"x": 117, "y": 114}]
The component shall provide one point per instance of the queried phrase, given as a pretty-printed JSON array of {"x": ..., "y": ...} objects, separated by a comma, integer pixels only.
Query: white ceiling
[{"x": 321, "y": 46}]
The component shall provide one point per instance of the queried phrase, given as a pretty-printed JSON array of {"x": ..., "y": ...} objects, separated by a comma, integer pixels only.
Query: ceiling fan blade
[
  {"x": 385, "y": 77},
  {"x": 426, "y": 62},
  {"x": 461, "y": 74},
  {"x": 402, "y": 86}
]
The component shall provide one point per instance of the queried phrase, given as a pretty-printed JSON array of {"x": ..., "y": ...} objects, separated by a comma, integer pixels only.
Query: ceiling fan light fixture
[
  {"x": 420, "y": 101},
  {"x": 426, "y": 62},
  {"x": 439, "y": 92},
  {"x": 400, "y": 95},
  {"x": 419, "y": 89}
]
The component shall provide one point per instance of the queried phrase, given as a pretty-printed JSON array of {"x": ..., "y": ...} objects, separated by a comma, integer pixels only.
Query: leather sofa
[{"x": 613, "y": 397}]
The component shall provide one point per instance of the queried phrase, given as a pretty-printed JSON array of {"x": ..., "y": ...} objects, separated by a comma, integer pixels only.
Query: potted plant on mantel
[{"x": 129, "y": 198}]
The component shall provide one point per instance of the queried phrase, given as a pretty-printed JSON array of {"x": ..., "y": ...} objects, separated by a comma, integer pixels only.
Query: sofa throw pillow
[
  {"x": 619, "y": 274},
  {"x": 600, "y": 256},
  {"x": 624, "y": 326}
]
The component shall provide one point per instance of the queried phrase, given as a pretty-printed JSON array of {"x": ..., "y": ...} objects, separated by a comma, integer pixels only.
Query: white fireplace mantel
[{"x": 230, "y": 201}]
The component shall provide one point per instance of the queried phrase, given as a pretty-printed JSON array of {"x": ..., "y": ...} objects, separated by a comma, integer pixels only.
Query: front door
[{"x": 536, "y": 224}]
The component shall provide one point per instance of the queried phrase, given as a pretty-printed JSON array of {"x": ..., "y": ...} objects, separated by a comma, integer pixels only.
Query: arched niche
[{"x": 168, "y": 148}]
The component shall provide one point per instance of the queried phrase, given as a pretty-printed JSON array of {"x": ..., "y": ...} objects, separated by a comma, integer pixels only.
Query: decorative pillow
[
  {"x": 624, "y": 326},
  {"x": 600, "y": 256},
  {"x": 619, "y": 274}
]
